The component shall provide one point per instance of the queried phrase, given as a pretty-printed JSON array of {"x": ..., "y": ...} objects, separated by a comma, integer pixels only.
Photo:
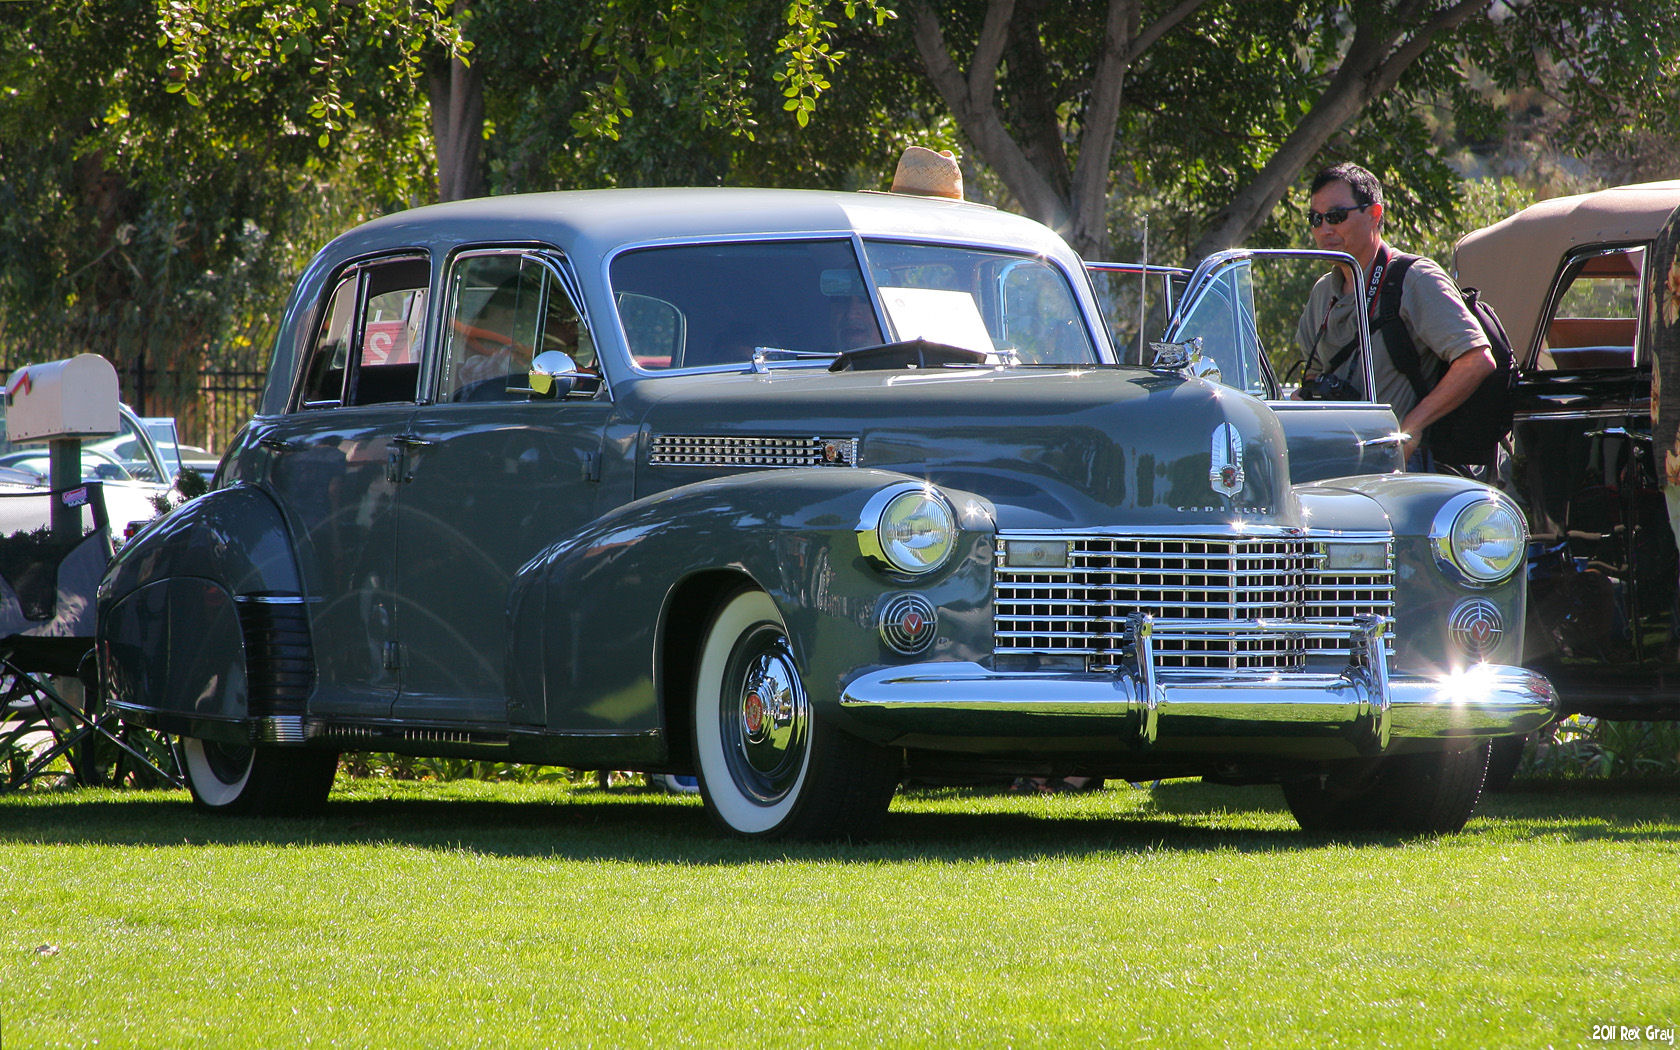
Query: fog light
[
  {"x": 1036, "y": 554},
  {"x": 1356, "y": 557}
]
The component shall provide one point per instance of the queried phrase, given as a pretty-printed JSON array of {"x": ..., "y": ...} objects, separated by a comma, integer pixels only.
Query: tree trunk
[
  {"x": 1075, "y": 203},
  {"x": 457, "y": 97}
]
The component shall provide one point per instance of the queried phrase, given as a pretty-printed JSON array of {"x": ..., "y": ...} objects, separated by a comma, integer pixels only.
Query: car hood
[{"x": 1049, "y": 447}]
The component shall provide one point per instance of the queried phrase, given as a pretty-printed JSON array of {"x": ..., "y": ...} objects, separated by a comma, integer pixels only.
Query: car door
[
  {"x": 491, "y": 474},
  {"x": 1603, "y": 561},
  {"x": 330, "y": 464}
]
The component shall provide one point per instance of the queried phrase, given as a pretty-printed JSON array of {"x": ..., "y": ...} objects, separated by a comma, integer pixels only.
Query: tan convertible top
[{"x": 1514, "y": 261}]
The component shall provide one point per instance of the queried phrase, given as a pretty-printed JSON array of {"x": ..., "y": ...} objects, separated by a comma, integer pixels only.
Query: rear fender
[{"x": 202, "y": 624}]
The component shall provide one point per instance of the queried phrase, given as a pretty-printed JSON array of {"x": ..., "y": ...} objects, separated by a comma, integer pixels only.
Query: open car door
[{"x": 1232, "y": 320}]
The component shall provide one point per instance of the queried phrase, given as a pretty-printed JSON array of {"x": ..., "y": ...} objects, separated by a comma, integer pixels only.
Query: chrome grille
[
  {"x": 1219, "y": 591},
  {"x": 702, "y": 450}
]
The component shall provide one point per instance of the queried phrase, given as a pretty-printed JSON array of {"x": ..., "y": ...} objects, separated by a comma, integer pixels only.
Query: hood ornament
[
  {"x": 1225, "y": 471},
  {"x": 1186, "y": 358}
]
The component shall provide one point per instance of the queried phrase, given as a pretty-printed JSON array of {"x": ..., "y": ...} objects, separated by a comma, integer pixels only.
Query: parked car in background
[
  {"x": 176, "y": 456},
  {"x": 801, "y": 493},
  {"x": 134, "y": 473},
  {"x": 1568, "y": 278}
]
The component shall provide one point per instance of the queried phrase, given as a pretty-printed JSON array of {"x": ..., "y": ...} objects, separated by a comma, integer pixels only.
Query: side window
[
  {"x": 366, "y": 350},
  {"x": 504, "y": 309},
  {"x": 1595, "y": 311},
  {"x": 330, "y": 356}
]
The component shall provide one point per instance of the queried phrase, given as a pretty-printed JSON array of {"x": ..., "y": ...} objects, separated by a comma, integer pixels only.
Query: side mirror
[{"x": 554, "y": 374}]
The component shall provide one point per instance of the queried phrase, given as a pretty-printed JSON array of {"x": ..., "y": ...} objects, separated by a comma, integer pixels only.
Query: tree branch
[
  {"x": 1123, "y": 45},
  {"x": 973, "y": 102},
  {"x": 1373, "y": 64}
]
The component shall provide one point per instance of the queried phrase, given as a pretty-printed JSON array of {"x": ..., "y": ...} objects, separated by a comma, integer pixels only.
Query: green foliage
[
  {"x": 1582, "y": 748},
  {"x": 316, "y": 53},
  {"x": 152, "y": 224},
  {"x": 702, "y": 92},
  {"x": 189, "y": 484},
  {"x": 385, "y": 766}
]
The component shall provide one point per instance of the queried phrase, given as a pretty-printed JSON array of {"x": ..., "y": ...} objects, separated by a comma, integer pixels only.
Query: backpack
[{"x": 1469, "y": 433}]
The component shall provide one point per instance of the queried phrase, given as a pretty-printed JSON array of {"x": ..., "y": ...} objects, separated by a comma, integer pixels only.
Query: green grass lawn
[{"x": 475, "y": 914}]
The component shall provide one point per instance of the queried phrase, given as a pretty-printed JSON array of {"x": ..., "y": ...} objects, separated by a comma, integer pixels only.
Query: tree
[
  {"x": 1221, "y": 105},
  {"x": 152, "y": 192},
  {"x": 654, "y": 92}
]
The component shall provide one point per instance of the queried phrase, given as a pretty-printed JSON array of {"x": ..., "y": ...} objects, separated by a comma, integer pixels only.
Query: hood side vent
[{"x": 701, "y": 450}]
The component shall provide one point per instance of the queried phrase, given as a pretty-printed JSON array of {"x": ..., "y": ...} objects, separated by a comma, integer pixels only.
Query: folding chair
[{"x": 47, "y": 621}]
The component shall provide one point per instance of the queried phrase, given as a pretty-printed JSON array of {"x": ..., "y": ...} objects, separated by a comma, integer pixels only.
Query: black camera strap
[{"x": 1373, "y": 285}]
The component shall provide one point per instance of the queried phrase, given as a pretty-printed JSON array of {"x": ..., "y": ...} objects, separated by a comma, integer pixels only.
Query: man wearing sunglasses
[{"x": 1453, "y": 354}]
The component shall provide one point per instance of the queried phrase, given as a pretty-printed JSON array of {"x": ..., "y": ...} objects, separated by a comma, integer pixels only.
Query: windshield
[{"x": 701, "y": 305}]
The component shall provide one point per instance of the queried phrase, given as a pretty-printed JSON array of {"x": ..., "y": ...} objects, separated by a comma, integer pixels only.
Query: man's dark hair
[{"x": 1366, "y": 189}]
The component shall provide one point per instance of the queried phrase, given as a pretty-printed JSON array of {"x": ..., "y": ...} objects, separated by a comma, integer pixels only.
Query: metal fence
[{"x": 209, "y": 407}]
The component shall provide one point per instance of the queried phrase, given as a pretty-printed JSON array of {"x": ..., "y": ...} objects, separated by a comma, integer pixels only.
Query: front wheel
[
  {"x": 262, "y": 781},
  {"x": 1431, "y": 794},
  {"x": 769, "y": 766}
]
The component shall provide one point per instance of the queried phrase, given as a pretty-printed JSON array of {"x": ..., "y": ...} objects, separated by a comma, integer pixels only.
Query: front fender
[
  {"x": 592, "y": 614},
  {"x": 181, "y": 602},
  {"x": 1441, "y": 625}
]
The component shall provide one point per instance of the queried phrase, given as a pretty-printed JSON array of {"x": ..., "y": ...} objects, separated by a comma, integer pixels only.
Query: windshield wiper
[{"x": 762, "y": 356}]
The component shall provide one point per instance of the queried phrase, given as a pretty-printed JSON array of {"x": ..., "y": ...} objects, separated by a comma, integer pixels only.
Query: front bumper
[{"x": 1363, "y": 709}]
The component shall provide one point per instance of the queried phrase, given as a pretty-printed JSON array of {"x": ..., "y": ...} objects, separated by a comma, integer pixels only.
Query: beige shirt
[{"x": 1441, "y": 326}]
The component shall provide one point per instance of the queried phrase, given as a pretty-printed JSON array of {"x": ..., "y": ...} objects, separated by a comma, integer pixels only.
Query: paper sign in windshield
[{"x": 937, "y": 315}]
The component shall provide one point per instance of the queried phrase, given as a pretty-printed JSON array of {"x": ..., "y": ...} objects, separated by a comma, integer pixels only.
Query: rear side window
[
  {"x": 1594, "y": 316},
  {"x": 367, "y": 345}
]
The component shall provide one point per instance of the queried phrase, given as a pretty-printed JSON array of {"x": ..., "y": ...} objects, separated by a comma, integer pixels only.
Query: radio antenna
[{"x": 1143, "y": 289}]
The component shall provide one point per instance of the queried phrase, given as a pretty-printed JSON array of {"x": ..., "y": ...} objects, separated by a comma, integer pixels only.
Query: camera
[{"x": 1329, "y": 388}]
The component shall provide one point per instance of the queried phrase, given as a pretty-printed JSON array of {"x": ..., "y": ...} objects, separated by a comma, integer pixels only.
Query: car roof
[
  {"x": 1514, "y": 261},
  {"x": 599, "y": 221}
]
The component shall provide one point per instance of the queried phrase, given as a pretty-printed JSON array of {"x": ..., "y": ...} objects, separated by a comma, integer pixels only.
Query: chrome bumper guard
[{"x": 1365, "y": 698}]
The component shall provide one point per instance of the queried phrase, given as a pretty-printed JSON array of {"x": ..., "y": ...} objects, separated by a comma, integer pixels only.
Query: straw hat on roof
[{"x": 926, "y": 173}]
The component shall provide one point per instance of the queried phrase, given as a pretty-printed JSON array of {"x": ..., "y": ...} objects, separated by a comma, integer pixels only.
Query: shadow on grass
[{"x": 950, "y": 826}]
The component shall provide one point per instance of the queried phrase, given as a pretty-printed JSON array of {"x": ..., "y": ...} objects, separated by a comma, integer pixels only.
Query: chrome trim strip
[
  {"x": 1240, "y": 530},
  {"x": 1597, "y": 413},
  {"x": 281, "y": 729},
  {"x": 273, "y": 599}
]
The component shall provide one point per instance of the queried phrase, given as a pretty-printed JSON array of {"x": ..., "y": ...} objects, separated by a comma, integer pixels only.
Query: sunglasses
[{"x": 1335, "y": 216}]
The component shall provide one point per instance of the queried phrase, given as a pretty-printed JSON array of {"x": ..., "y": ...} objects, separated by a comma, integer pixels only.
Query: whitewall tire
[{"x": 768, "y": 765}]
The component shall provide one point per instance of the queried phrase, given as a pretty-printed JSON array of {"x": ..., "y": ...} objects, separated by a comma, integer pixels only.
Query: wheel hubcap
[
  {"x": 766, "y": 716},
  {"x": 227, "y": 761}
]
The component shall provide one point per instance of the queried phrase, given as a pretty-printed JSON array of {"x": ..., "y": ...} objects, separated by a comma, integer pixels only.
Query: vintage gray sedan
[{"x": 803, "y": 493}]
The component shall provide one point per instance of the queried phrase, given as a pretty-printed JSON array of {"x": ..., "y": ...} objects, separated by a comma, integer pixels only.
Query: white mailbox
[{"x": 62, "y": 399}]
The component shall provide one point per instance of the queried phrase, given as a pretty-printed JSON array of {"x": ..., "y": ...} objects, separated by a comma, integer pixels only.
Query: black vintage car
[{"x": 1573, "y": 281}]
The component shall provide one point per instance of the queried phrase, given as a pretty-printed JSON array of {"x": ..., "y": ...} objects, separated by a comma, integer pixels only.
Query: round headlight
[
  {"x": 1479, "y": 537},
  {"x": 910, "y": 528}
]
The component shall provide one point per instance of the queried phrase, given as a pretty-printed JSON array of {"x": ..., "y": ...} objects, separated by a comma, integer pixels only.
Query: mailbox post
[{"x": 60, "y": 403}]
